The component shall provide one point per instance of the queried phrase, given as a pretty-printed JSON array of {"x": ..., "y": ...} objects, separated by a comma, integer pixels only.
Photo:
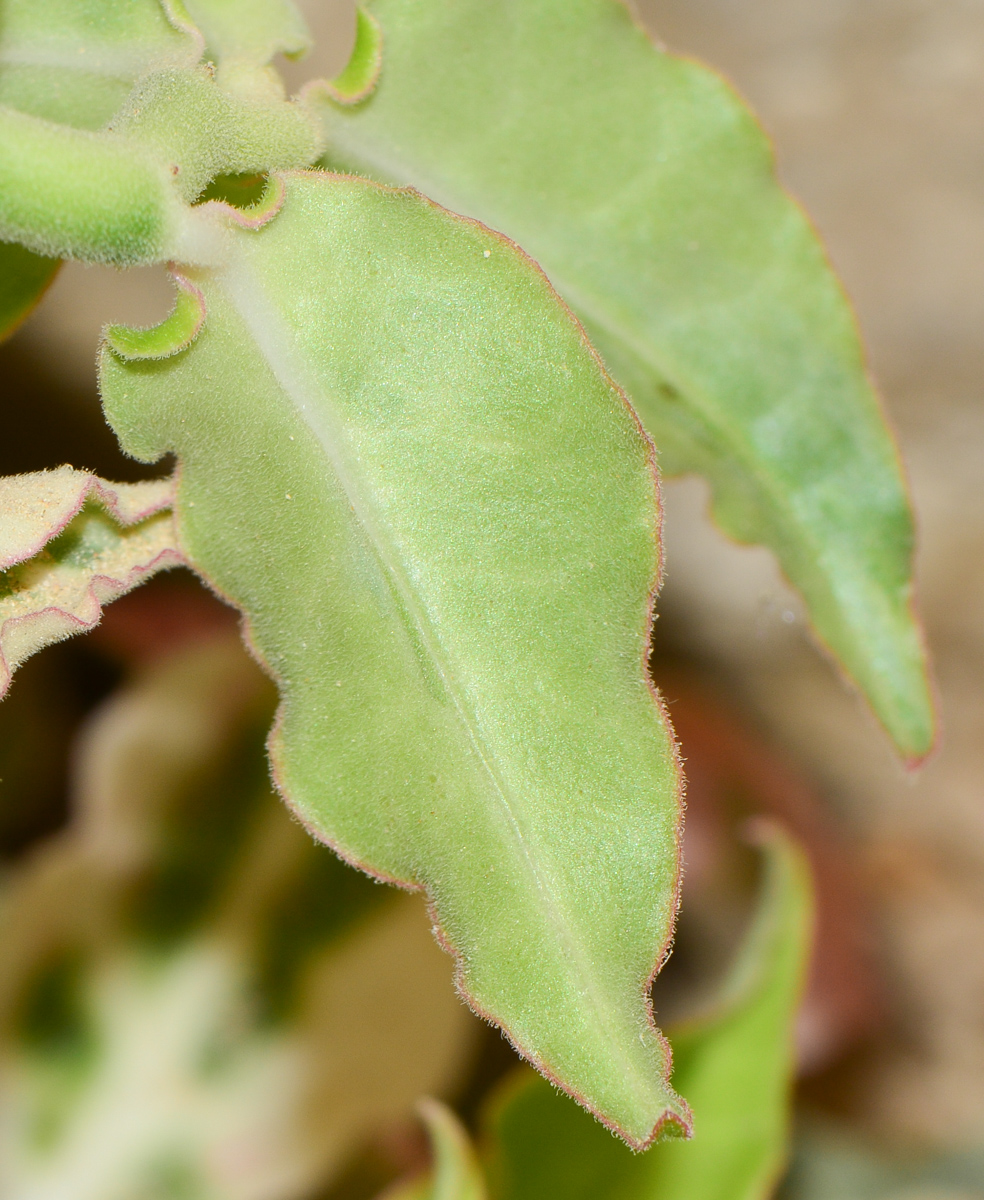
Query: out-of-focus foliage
[
  {"x": 832, "y": 1163},
  {"x": 195, "y": 997},
  {"x": 24, "y": 278}
]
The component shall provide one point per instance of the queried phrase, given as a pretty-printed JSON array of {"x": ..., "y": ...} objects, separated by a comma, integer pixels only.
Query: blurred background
[{"x": 876, "y": 113}]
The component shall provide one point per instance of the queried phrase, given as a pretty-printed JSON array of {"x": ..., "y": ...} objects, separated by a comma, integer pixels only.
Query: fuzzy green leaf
[
  {"x": 735, "y": 1068},
  {"x": 70, "y": 543},
  {"x": 403, "y": 462},
  {"x": 24, "y": 278},
  {"x": 647, "y": 192},
  {"x": 74, "y": 61}
]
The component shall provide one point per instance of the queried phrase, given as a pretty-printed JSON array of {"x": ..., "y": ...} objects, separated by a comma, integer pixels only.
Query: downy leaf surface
[
  {"x": 735, "y": 1066},
  {"x": 401, "y": 460},
  {"x": 647, "y": 192},
  {"x": 101, "y": 163},
  {"x": 75, "y": 61},
  {"x": 70, "y": 543}
]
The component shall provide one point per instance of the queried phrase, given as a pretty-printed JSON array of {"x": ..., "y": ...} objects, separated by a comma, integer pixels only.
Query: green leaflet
[
  {"x": 116, "y": 196},
  {"x": 182, "y": 1009},
  {"x": 646, "y": 191},
  {"x": 24, "y": 277},
  {"x": 402, "y": 461},
  {"x": 69, "y": 543},
  {"x": 734, "y": 1067}
]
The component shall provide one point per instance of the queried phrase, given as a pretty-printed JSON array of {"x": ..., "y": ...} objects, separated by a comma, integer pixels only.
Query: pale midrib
[
  {"x": 247, "y": 296},
  {"x": 399, "y": 172}
]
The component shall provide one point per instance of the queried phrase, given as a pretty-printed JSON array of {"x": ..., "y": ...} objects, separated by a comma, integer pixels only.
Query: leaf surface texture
[{"x": 403, "y": 462}]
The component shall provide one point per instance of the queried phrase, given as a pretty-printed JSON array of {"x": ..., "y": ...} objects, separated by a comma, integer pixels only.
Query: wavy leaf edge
[{"x": 670, "y": 1123}]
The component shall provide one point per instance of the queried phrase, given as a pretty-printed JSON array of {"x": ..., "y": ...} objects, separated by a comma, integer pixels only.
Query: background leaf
[
  {"x": 249, "y": 32},
  {"x": 24, "y": 278},
  {"x": 402, "y": 461},
  {"x": 735, "y": 1067},
  {"x": 456, "y": 1174},
  {"x": 647, "y": 192}
]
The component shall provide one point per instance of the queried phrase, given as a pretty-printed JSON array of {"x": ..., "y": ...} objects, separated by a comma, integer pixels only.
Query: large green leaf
[
  {"x": 734, "y": 1067},
  {"x": 646, "y": 190},
  {"x": 401, "y": 459},
  {"x": 24, "y": 278}
]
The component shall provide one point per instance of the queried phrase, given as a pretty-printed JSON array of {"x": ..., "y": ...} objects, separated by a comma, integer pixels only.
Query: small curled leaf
[
  {"x": 24, "y": 278},
  {"x": 70, "y": 543},
  {"x": 358, "y": 79},
  {"x": 175, "y": 333}
]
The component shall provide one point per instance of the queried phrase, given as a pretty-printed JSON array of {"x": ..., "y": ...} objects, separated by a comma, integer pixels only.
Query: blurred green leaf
[
  {"x": 249, "y": 32},
  {"x": 456, "y": 1174},
  {"x": 647, "y": 191},
  {"x": 24, "y": 278},
  {"x": 735, "y": 1068},
  {"x": 403, "y": 462},
  {"x": 74, "y": 61}
]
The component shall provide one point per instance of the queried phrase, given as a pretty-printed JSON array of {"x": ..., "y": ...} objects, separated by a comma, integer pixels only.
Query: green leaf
[
  {"x": 647, "y": 192},
  {"x": 70, "y": 543},
  {"x": 24, "y": 278},
  {"x": 75, "y": 61},
  {"x": 198, "y": 130},
  {"x": 403, "y": 462},
  {"x": 71, "y": 193},
  {"x": 734, "y": 1067},
  {"x": 139, "y": 1052}
]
